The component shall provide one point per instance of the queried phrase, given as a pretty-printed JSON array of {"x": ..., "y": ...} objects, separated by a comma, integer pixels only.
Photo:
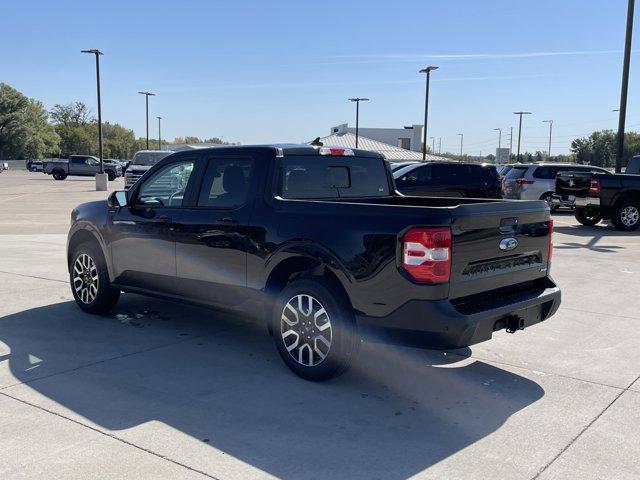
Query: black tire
[
  {"x": 626, "y": 216},
  {"x": 59, "y": 175},
  {"x": 588, "y": 216},
  {"x": 547, "y": 198},
  {"x": 111, "y": 175},
  {"x": 342, "y": 332},
  {"x": 105, "y": 296}
]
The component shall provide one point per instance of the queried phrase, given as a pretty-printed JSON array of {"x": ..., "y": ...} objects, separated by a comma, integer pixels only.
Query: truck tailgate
[
  {"x": 573, "y": 183},
  {"x": 495, "y": 245}
]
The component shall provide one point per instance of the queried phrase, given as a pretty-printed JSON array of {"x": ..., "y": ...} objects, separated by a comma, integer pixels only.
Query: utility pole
[
  {"x": 428, "y": 71},
  {"x": 511, "y": 143},
  {"x": 100, "y": 181},
  {"x": 433, "y": 145},
  {"x": 147, "y": 95},
  {"x": 357, "y": 102},
  {"x": 550, "y": 122},
  {"x": 461, "y": 140},
  {"x": 625, "y": 85},
  {"x": 520, "y": 130},
  {"x": 439, "y": 145},
  {"x": 159, "y": 134}
]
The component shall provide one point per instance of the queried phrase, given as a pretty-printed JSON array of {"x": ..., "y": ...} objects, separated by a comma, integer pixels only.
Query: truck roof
[{"x": 286, "y": 149}]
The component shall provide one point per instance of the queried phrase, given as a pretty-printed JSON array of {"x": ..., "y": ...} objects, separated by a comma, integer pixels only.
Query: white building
[
  {"x": 409, "y": 138},
  {"x": 392, "y": 153}
]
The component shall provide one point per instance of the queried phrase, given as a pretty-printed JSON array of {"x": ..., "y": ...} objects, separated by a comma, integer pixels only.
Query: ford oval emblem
[{"x": 508, "y": 244}]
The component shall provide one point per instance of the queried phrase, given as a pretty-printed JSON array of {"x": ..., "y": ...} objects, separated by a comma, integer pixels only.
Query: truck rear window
[{"x": 332, "y": 177}]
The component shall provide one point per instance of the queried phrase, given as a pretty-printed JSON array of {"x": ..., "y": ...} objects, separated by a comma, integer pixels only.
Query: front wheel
[
  {"x": 89, "y": 279},
  {"x": 314, "y": 329},
  {"x": 588, "y": 216},
  {"x": 626, "y": 216}
]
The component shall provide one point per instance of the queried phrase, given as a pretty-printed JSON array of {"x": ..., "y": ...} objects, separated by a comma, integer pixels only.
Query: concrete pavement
[{"x": 160, "y": 390}]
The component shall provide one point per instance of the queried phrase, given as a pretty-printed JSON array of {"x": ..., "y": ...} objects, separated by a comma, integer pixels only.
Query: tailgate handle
[{"x": 508, "y": 225}]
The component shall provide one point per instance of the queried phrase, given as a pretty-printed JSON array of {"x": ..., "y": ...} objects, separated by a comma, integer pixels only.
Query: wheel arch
[
  {"x": 296, "y": 266},
  {"x": 83, "y": 235}
]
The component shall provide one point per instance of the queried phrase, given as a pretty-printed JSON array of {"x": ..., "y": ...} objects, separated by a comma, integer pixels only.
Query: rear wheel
[
  {"x": 626, "y": 216},
  {"x": 89, "y": 279},
  {"x": 59, "y": 175},
  {"x": 314, "y": 329},
  {"x": 111, "y": 175},
  {"x": 548, "y": 197},
  {"x": 588, "y": 215}
]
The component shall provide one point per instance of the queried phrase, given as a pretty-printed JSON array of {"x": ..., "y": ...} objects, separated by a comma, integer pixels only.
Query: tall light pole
[
  {"x": 433, "y": 145},
  {"x": 510, "y": 143},
  {"x": 439, "y": 145},
  {"x": 146, "y": 97},
  {"x": 461, "y": 140},
  {"x": 97, "y": 54},
  {"x": 520, "y": 130},
  {"x": 428, "y": 71},
  {"x": 357, "y": 101},
  {"x": 625, "y": 85},
  {"x": 159, "y": 134},
  {"x": 499, "y": 130},
  {"x": 550, "y": 122}
]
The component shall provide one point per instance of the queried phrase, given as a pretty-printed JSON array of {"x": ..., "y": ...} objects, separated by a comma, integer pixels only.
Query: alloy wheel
[
  {"x": 306, "y": 330},
  {"x": 629, "y": 216},
  {"x": 85, "y": 278}
]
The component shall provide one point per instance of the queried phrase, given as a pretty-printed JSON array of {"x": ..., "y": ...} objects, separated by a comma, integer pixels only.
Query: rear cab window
[{"x": 309, "y": 177}]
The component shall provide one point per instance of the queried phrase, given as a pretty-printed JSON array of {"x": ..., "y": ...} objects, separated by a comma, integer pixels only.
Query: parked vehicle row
[
  {"x": 141, "y": 162},
  {"x": 318, "y": 244}
]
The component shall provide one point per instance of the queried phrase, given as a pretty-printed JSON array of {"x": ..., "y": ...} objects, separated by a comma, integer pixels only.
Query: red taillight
[
  {"x": 524, "y": 181},
  {"x": 550, "y": 240},
  {"x": 594, "y": 186},
  {"x": 426, "y": 254}
]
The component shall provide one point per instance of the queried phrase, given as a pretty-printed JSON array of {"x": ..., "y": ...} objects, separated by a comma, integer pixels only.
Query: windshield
[
  {"x": 148, "y": 158},
  {"x": 333, "y": 177}
]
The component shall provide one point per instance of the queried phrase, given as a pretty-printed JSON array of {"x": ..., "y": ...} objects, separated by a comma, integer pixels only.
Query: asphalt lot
[{"x": 159, "y": 390}]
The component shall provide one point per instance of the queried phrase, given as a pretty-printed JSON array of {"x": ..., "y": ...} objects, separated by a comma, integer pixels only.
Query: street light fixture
[
  {"x": 520, "y": 131},
  {"x": 499, "y": 130},
  {"x": 625, "y": 85},
  {"x": 146, "y": 97},
  {"x": 461, "y": 140},
  {"x": 159, "y": 134},
  {"x": 100, "y": 182},
  {"x": 428, "y": 71},
  {"x": 550, "y": 122},
  {"x": 357, "y": 101}
]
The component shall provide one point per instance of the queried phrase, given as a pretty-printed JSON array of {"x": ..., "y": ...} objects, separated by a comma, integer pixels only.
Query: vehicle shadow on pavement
[
  {"x": 595, "y": 234},
  {"x": 220, "y": 381}
]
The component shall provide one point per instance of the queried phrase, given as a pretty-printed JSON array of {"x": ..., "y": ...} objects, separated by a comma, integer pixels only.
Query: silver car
[{"x": 537, "y": 181}]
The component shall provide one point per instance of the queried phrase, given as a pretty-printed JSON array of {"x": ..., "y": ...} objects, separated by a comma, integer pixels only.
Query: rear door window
[
  {"x": 225, "y": 183},
  {"x": 332, "y": 177},
  {"x": 546, "y": 172}
]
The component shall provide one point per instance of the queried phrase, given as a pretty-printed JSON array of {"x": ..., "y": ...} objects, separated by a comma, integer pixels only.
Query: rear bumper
[
  {"x": 558, "y": 201},
  {"x": 587, "y": 201},
  {"x": 447, "y": 324}
]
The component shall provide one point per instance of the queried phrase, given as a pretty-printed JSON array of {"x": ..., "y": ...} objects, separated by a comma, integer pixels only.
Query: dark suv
[{"x": 448, "y": 179}]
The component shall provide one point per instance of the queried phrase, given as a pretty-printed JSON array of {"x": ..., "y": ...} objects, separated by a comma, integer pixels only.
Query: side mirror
[{"x": 117, "y": 199}]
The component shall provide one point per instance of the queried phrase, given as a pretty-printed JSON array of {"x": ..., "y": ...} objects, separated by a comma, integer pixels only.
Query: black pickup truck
[
  {"x": 317, "y": 243},
  {"x": 601, "y": 196}
]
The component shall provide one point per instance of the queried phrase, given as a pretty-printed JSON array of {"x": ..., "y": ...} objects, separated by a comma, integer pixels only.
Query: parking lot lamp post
[
  {"x": 159, "y": 134},
  {"x": 499, "y": 130},
  {"x": 625, "y": 85},
  {"x": 550, "y": 122},
  {"x": 433, "y": 145},
  {"x": 428, "y": 71},
  {"x": 97, "y": 54},
  {"x": 520, "y": 131},
  {"x": 439, "y": 145},
  {"x": 146, "y": 96},
  {"x": 357, "y": 101},
  {"x": 461, "y": 141}
]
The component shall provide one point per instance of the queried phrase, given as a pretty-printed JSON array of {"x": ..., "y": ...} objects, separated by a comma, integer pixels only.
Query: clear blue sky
[{"x": 266, "y": 71}]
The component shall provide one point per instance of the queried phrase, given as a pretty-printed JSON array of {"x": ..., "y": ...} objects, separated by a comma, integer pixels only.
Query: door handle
[
  {"x": 166, "y": 220},
  {"x": 169, "y": 223},
  {"x": 227, "y": 221}
]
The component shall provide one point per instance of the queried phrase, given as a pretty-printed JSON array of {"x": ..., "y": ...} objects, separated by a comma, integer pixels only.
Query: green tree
[
  {"x": 77, "y": 129},
  {"x": 24, "y": 129},
  {"x": 118, "y": 141}
]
